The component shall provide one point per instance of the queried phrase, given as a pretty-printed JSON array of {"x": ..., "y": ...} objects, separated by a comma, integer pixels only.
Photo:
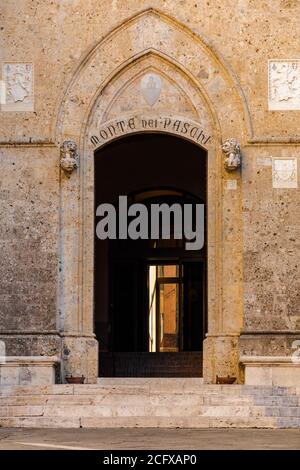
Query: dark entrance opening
[{"x": 150, "y": 295}]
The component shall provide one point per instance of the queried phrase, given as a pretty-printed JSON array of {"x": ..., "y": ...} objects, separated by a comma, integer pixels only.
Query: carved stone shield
[
  {"x": 285, "y": 173},
  {"x": 284, "y": 170},
  {"x": 151, "y": 88}
]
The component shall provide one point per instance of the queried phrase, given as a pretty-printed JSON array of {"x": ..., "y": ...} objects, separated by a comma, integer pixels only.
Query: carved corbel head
[
  {"x": 69, "y": 156},
  {"x": 232, "y": 151}
]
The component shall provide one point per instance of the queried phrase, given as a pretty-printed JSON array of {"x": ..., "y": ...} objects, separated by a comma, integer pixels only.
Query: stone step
[
  {"x": 169, "y": 381},
  {"x": 290, "y": 422},
  {"x": 142, "y": 422},
  {"x": 39, "y": 422},
  {"x": 195, "y": 383},
  {"x": 285, "y": 411},
  {"x": 160, "y": 388},
  {"x": 180, "y": 422},
  {"x": 122, "y": 386},
  {"x": 125, "y": 410},
  {"x": 277, "y": 401},
  {"x": 22, "y": 390},
  {"x": 149, "y": 403},
  {"x": 269, "y": 390},
  {"x": 115, "y": 399}
]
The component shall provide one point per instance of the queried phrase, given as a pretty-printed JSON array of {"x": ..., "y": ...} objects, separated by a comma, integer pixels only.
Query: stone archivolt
[{"x": 106, "y": 88}]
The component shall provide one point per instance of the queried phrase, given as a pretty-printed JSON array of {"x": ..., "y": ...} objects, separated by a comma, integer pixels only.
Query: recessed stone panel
[
  {"x": 17, "y": 93},
  {"x": 231, "y": 184}
]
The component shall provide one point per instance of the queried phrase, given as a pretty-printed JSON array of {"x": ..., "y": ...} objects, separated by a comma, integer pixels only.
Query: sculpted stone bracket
[
  {"x": 69, "y": 157},
  {"x": 232, "y": 150}
]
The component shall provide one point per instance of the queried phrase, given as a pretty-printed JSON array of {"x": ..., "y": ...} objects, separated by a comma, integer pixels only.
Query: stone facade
[{"x": 79, "y": 71}]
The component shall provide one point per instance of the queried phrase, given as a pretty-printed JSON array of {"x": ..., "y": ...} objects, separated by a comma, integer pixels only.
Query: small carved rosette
[
  {"x": 69, "y": 156},
  {"x": 232, "y": 151}
]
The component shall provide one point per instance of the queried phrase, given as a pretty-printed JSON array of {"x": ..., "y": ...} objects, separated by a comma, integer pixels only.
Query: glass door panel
[{"x": 168, "y": 317}]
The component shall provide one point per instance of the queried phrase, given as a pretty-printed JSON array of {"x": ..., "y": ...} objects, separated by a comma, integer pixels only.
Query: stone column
[
  {"x": 221, "y": 352},
  {"x": 79, "y": 346}
]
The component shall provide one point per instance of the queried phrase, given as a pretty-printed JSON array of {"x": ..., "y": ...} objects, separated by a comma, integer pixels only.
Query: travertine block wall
[
  {"x": 271, "y": 256},
  {"x": 56, "y": 36},
  {"x": 271, "y": 244},
  {"x": 29, "y": 210}
]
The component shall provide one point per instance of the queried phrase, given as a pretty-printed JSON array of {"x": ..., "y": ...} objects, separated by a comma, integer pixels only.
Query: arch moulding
[{"x": 199, "y": 100}]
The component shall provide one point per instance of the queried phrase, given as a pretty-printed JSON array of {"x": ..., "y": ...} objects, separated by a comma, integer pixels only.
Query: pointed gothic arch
[
  {"x": 182, "y": 57},
  {"x": 197, "y": 57}
]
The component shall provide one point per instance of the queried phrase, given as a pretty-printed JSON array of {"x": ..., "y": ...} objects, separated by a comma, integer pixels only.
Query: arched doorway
[
  {"x": 206, "y": 108},
  {"x": 150, "y": 296}
]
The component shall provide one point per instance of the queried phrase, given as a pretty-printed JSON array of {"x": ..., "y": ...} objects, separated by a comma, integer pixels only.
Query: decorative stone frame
[{"x": 217, "y": 104}]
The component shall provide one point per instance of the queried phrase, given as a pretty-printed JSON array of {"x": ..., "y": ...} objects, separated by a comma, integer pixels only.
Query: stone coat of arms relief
[
  {"x": 284, "y": 171},
  {"x": 284, "y": 85},
  {"x": 18, "y": 87},
  {"x": 151, "y": 84}
]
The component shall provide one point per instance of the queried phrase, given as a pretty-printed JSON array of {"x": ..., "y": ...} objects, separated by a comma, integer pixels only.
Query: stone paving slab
[{"x": 149, "y": 439}]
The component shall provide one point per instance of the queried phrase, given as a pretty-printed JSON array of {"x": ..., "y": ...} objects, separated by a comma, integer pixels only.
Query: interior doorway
[{"x": 150, "y": 295}]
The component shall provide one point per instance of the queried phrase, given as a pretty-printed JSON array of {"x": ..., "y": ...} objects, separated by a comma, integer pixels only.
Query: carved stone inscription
[
  {"x": 116, "y": 128},
  {"x": 284, "y": 85},
  {"x": 18, "y": 87}
]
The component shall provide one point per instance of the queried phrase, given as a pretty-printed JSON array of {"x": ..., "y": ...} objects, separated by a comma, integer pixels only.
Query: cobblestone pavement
[{"x": 148, "y": 439}]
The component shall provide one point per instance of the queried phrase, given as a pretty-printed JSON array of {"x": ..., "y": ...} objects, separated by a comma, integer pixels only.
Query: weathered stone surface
[
  {"x": 271, "y": 257},
  {"x": 84, "y": 87},
  {"x": 207, "y": 406},
  {"x": 18, "y": 87},
  {"x": 284, "y": 85},
  {"x": 33, "y": 370},
  {"x": 29, "y": 230}
]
